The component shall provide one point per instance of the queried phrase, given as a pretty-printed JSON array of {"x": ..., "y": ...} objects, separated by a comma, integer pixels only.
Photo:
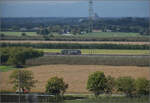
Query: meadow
[{"x": 102, "y": 51}]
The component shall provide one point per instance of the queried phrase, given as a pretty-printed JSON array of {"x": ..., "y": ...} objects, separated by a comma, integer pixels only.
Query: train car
[{"x": 70, "y": 52}]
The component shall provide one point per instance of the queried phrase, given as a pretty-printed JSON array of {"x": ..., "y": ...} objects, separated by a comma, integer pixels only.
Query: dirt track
[{"x": 75, "y": 75}]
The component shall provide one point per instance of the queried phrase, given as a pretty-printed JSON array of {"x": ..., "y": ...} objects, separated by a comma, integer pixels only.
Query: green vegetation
[
  {"x": 110, "y": 34},
  {"x": 101, "y": 51},
  {"x": 56, "y": 86},
  {"x": 78, "y": 46},
  {"x": 110, "y": 100},
  {"x": 19, "y": 33},
  {"x": 91, "y": 60},
  {"x": 126, "y": 85},
  {"x": 17, "y": 56},
  {"x": 94, "y": 34},
  {"x": 142, "y": 86},
  {"x": 97, "y": 83},
  {"x": 22, "y": 79},
  {"x": 6, "y": 68}
]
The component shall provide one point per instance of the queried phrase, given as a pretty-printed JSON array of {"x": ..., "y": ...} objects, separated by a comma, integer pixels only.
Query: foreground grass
[
  {"x": 110, "y": 100},
  {"x": 6, "y": 68},
  {"x": 102, "y": 51}
]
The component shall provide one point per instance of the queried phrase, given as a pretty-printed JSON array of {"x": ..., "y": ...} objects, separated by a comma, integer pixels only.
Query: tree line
[
  {"x": 77, "y": 46},
  {"x": 97, "y": 83},
  {"x": 76, "y": 25},
  {"x": 17, "y": 56},
  {"x": 52, "y": 37}
]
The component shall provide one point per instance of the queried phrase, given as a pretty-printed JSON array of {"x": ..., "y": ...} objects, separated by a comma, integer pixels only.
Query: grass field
[
  {"x": 102, "y": 51},
  {"x": 19, "y": 33},
  {"x": 6, "y": 68},
  {"x": 76, "y": 42},
  {"x": 94, "y": 34},
  {"x": 111, "y": 34},
  {"x": 75, "y": 75},
  {"x": 91, "y": 60}
]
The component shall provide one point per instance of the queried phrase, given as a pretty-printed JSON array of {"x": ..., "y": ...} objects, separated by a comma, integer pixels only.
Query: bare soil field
[
  {"x": 79, "y": 42},
  {"x": 75, "y": 75}
]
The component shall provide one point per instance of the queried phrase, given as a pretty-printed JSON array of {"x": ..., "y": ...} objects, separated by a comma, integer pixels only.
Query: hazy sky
[{"x": 111, "y": 8}]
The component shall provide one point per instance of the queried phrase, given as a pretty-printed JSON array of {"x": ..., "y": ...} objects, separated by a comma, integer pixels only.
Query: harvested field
[
  {"x": 75, "y": 75},
  {"x": 80, "y": 42}
]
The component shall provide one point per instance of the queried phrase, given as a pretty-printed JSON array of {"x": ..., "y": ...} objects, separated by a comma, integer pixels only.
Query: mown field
[
  {"x": 102, "y": 51},
  {"x": 75, "y": 75}
]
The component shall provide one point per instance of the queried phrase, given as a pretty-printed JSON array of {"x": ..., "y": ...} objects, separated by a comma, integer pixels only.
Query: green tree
[
  {"x": 142, "y": 86},
  {"x": 97, "y": 83},
  {"x": 110, "y": 85},
  {"x": 23, "y": 34},
  {"x": 22, "y": 79},
  {"x": 19, "y": 55},
  {"x": 56, "y": 86},
  {"x": 126, "y": 85}
]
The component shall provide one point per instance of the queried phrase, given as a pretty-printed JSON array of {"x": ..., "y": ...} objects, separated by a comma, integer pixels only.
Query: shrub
[
  {"x": 97, "y": 83},
  {"x": 142, "y": 86},
  {"x": 126, "y": 85}
]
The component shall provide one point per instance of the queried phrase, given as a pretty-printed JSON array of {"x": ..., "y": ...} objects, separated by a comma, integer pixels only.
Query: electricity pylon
[{"x": 91, "y": 15}]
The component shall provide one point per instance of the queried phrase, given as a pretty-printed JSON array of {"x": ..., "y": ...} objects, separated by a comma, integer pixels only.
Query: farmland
[
  {"x": 91, "y": 60},
  {"x": 95, "y": 34},
  {"x": 102, "y": 51},
  {"x": 72, "y": 74},
  {"x": 74, "y": 42}
]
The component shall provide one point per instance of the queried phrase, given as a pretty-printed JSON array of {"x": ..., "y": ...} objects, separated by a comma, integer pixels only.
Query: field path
[{"x": 75, "y": 75}]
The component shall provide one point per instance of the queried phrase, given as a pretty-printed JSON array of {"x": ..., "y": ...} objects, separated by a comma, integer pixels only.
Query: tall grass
[{"x": 91, "y": 60}]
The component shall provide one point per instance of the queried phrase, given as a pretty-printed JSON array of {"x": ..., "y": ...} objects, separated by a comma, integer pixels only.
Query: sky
[{"x": 74, "y": 8}]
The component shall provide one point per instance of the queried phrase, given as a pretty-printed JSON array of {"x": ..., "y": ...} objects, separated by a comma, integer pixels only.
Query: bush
[
  {"x": 126, "y": 85},
  {"x": 142, "y": 86},
  {"x": 97, "y": 83},
  {"x": 56, "y": 86}
]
